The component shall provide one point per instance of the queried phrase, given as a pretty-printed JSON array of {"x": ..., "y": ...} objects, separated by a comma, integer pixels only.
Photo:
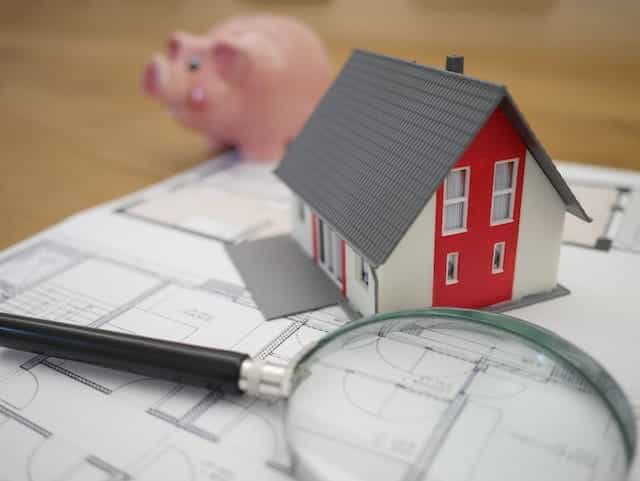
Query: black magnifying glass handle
[{"x": 229, "y": 371}]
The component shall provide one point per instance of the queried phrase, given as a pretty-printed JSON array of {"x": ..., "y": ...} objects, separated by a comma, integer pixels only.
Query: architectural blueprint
[
  {"x": 433, "y": 399},
  {"x": 68, "y": 420},
  {"x": 228, "y": 202},
  {"x": 613, "y": 200},
  {"x": 154, "y": 263}
]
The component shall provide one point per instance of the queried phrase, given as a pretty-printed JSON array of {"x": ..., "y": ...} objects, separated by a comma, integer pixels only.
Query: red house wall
[{"x": 477, "y": 286}]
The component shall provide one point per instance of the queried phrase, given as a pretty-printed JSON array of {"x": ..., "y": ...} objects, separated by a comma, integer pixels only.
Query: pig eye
[{"x": 194, "y": 63}]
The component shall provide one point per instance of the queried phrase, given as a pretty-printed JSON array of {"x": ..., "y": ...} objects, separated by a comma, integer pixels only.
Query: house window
[
  {"x": 504, "y": 182},
  {"x": 321, "y": 246},
  {"x": 363, "y": 271},
  {"x": 452, "y": 268},
  {"x": 456, "y": 199},
  {"x": 330, "y": 250},
  {"x": 301, "y": 213},
  {"x": 328, "y": 242},
  {"x": 497, "y": 263}
]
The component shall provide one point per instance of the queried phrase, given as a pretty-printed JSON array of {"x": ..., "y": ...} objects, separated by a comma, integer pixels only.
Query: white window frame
[
  {"x": 455, "y": 280},
  {"x": 496, "y": 246},
  {"x": 302, "y": 214},
  {"x": 330, "y": 257},
  {"x": 456, "y": 200},
  {"x": 511, "y": 190},
  {"x": 332, "y": 243},
  {"x": 362, "y": 271}
]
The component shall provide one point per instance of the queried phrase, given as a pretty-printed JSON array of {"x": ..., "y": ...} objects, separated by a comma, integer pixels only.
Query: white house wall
[
  {"x": 301, "y": 230},
  {"x": 361, "y": 296},
  {"x": 406, "y": 280},
  {"x": 540, "y": 233}
]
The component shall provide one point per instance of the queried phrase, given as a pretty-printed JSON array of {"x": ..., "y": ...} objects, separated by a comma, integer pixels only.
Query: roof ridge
[{"x": 429, "y": 68}]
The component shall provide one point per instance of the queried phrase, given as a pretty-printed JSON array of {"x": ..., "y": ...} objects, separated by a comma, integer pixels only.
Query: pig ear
[
  {"x": 175, "y": 44},
  {"x": 231, "y": 61}
]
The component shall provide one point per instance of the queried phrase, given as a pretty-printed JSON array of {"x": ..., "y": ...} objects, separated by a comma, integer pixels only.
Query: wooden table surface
[{"x": 75, "y": 130}]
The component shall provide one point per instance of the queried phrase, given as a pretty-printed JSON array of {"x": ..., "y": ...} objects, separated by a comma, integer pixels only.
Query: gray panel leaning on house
[{"x": 281, "y": 278}]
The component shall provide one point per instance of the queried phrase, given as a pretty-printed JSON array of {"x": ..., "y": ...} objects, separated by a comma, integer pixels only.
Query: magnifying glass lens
[{"x": 435, "y": 398}]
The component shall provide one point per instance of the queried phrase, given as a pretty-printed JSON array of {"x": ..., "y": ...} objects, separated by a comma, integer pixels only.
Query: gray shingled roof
[{"x": 382, "y": 140}]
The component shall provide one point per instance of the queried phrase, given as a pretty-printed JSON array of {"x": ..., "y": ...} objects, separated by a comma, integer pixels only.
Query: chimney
[{"x": 455, "y": 63}]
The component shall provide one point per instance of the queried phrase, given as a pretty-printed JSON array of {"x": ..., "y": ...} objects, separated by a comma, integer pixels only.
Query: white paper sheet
[{"x": 125, "y": 267}]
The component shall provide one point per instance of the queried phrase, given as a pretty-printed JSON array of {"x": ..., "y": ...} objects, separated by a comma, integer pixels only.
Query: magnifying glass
[{"x": 433, "y": 394}]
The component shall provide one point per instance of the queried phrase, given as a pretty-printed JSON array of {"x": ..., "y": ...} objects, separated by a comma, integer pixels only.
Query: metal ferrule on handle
[{"x": 263, "y": 379}]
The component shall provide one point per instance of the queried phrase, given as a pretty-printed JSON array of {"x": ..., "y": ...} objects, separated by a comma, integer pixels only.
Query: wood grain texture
[{"x": 75, "y": 130}]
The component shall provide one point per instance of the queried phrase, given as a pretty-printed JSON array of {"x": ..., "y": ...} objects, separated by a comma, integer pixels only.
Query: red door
[{"x": 477, "y": 219}]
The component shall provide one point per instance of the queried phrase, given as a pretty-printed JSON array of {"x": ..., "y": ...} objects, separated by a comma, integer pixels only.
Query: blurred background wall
[{"x": 74, "y": 126}]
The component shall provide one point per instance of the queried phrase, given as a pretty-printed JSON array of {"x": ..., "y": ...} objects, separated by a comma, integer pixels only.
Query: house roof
[{"x": 383, "y": 138}]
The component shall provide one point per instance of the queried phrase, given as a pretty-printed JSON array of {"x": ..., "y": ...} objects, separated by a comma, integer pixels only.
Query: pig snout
[
  {"x": 198, "y": 99},
  {"x": 151, "y": 78}
]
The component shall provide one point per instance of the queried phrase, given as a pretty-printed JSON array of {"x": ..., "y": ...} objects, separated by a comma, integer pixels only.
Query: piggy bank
[{"x": 250, "y": 82}]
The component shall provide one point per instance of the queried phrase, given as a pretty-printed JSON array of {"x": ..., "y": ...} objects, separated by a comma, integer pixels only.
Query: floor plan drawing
[
  {"x": 23, "y": 269},
  {"x": 613, "y": 200},
  {"x": 407, "y": 404},
  {"x": 231, "y": 203},
  {"x": 54, "y": 279},
  {"x": 155, "y": 264}
]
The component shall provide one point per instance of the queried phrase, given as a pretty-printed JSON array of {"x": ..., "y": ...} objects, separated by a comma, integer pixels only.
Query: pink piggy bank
[{"x": 250, "y": 82}]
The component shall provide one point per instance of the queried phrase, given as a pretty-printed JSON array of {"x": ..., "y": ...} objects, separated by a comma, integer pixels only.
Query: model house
[{"x": 420, "y": 187}]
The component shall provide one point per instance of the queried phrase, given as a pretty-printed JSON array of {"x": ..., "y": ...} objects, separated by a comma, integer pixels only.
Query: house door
[{"x": 330, "y": 252}]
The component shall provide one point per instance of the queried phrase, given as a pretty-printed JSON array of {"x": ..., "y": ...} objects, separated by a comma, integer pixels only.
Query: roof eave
[
  {"x": 543, "y": 159},
  {"x": 579, "y": 212}
]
